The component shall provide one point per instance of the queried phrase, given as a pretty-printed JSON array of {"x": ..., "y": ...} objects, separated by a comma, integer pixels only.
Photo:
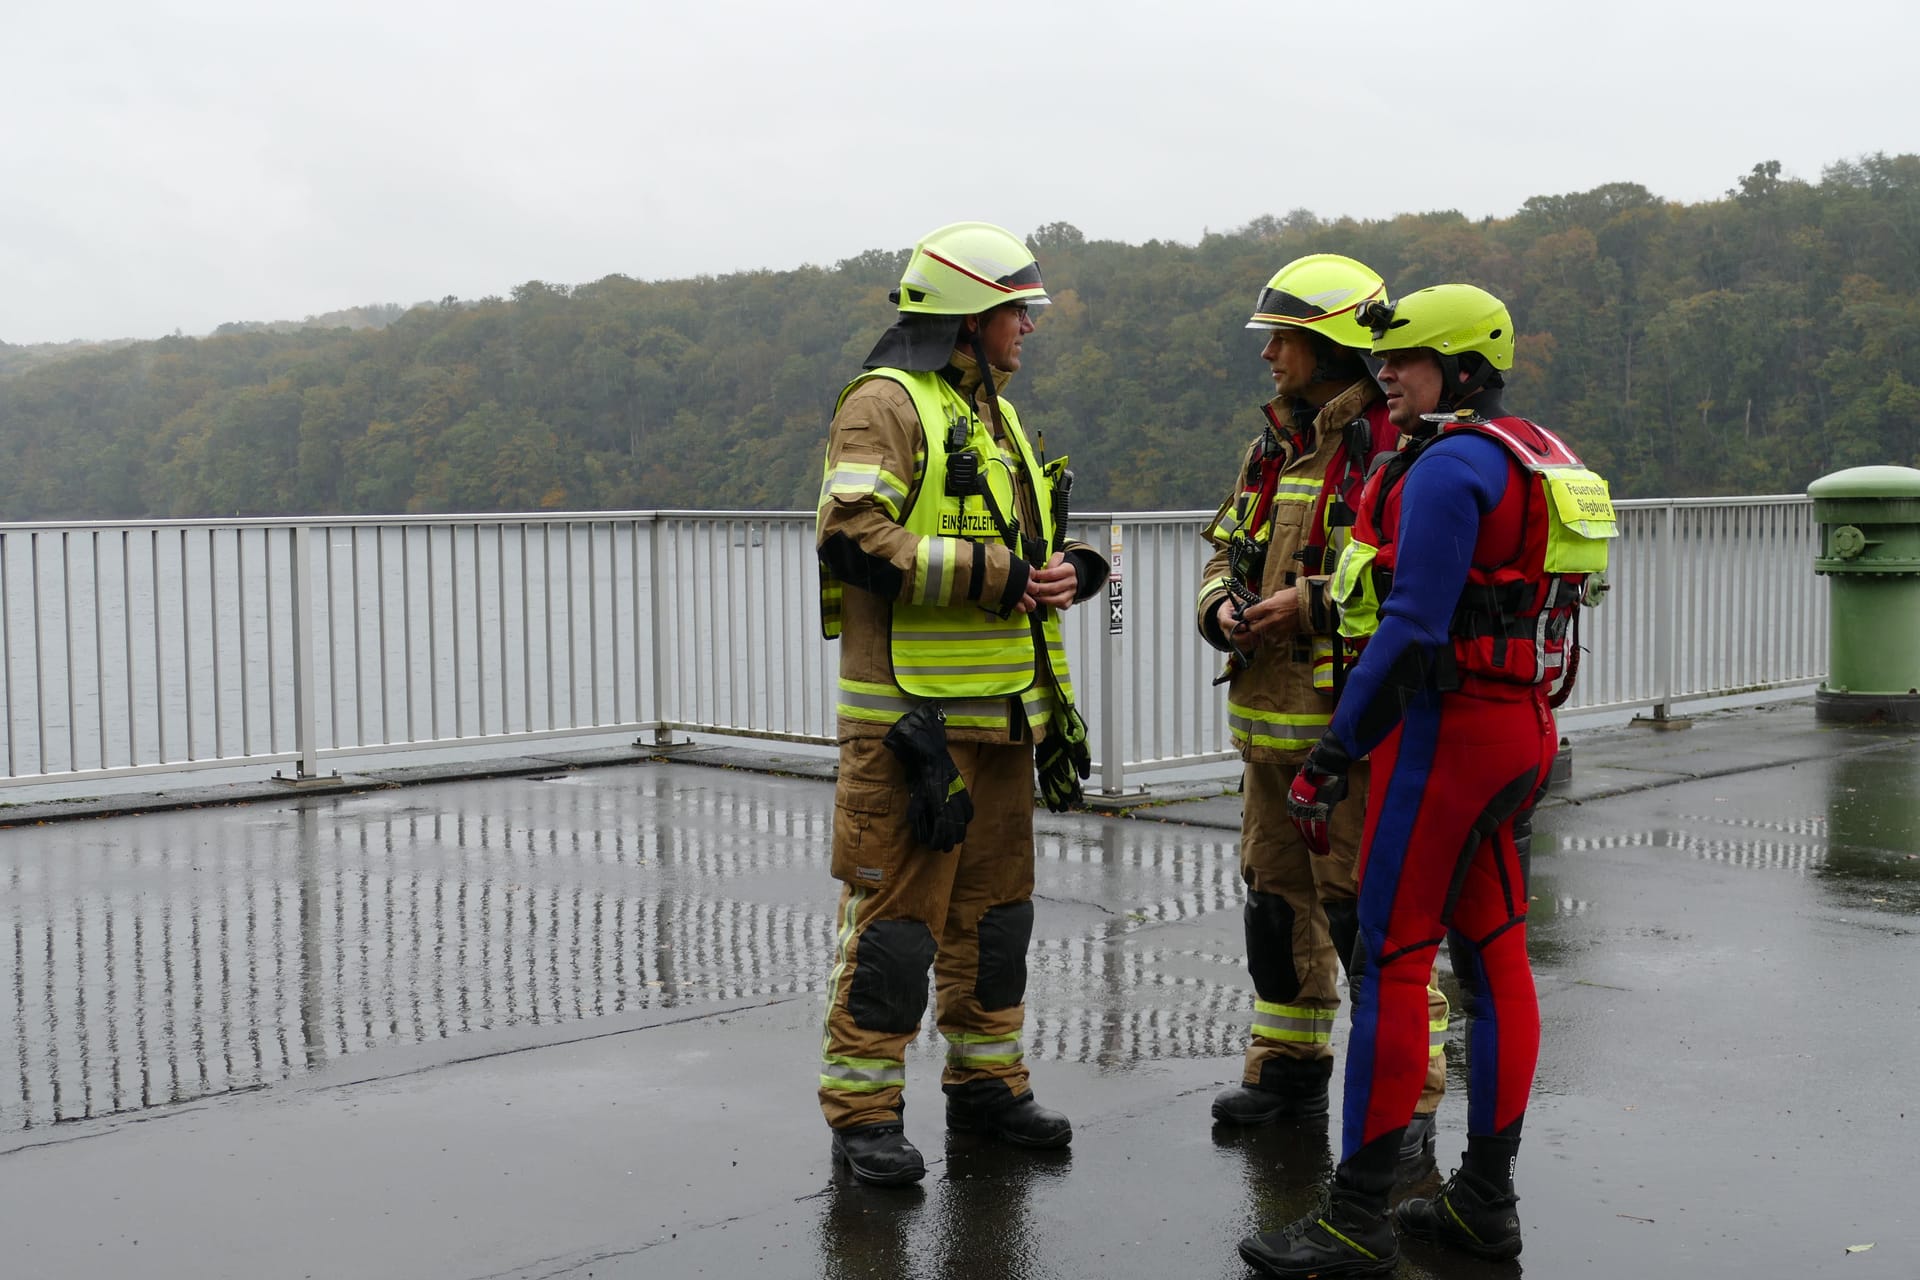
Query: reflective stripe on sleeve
[{"x": 852, "y": 481}]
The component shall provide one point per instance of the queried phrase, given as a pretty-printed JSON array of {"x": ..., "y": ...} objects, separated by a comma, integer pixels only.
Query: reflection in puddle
[
  {"x": 194, "y": 954},
  {"x": 160, "y": 958},
  {"x": 1855, "y": 831},
  {"x": 1785, "y": 855}
]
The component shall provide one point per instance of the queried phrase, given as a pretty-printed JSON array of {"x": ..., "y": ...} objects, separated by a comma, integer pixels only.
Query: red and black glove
[{"x": 1320, "y": 785}]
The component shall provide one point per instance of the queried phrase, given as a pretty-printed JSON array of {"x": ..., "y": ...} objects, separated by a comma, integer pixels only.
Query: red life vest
[{"x": 1532, "y": 561}]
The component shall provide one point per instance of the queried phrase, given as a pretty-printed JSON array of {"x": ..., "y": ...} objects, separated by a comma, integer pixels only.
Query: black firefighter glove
[
  {"x": 1062, "y": 760},
  {"x": 938, "y": 805}
]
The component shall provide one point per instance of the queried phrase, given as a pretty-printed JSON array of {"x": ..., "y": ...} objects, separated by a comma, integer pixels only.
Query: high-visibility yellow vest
[{"x": 942, "y": 645}]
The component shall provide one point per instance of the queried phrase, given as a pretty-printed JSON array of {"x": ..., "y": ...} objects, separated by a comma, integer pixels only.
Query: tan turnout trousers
[
  {"x": 967, "y": 913},
  {"x": 1275, "y": 860}
]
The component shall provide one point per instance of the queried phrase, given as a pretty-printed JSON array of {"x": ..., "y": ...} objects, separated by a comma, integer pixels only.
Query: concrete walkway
[{"x": 565, "y": 1024}]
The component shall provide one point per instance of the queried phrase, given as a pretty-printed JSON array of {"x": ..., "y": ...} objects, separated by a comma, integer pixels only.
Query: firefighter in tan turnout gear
[
  {"x": 1263, "y": 599},
  {"x": 943, "y": 569}
]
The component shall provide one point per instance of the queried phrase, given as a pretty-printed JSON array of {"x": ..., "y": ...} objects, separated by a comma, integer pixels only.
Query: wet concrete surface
[{"x": 567, "y": 1025}]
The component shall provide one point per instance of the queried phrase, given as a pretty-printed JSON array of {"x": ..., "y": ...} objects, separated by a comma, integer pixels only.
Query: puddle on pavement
[{"x": 156, "y": 959}]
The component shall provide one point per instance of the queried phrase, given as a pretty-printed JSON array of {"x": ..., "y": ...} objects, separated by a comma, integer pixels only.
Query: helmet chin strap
[
  {"x": 1453, "y": 390},
  {"x": 1334, "y": 363},
  {"x": 986, "y": 371}
]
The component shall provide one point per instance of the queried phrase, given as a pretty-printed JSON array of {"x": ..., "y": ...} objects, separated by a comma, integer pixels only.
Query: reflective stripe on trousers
[
  {"x": 967, "y": 1051},
  {"x": 862, "y": 1075},
  {"x": 1293, "y": 1023}
]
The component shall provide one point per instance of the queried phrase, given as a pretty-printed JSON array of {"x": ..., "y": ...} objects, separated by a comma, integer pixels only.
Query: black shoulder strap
[{"x": 1396, "y": 466}]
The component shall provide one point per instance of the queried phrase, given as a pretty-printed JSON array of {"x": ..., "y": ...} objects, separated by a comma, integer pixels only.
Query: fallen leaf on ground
[{"x": 1860, "y": 1248}]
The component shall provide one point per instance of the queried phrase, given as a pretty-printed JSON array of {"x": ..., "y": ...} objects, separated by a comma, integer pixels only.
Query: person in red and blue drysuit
[{"x": 1474, "y": 550}]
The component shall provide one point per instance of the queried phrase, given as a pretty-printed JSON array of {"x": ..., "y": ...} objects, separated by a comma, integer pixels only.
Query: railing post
[
  {"x": 1113, "y": 768},
  {"x": 662, "y": 733},
  {"x": 1665, "y": 616},
  {"x": 305, "y": 730}
]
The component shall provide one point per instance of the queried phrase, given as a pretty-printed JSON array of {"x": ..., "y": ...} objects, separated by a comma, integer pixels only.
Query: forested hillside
[
  {"x": 13, "y": 358},
  {"x": 1742, "y": 345}
]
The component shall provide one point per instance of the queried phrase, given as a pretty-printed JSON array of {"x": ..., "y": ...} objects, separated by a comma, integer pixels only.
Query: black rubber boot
[
  {"x": 1351, "y": 1238},
  {"x": 1020, "y": 1121},
  {"x": 879, "y": 1154},
  {"x": 1467, "y": 1214},
  {"x": 1416, "y": 1144},
  {"x": 1288, "y": 1088},
  {"x": 1248, "y": 1104}
]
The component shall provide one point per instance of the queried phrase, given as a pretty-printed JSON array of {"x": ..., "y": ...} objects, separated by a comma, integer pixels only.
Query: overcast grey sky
[{"x": 179, "y": 163}]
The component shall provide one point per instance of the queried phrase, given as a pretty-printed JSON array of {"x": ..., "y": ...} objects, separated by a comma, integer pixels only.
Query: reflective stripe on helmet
[
  {"x": 965, "y": 268},
  {"x": 1320, "y": 293}
]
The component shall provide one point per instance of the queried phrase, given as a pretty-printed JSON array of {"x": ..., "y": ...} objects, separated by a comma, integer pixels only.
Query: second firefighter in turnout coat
[{"x": 1264, "y": 599}]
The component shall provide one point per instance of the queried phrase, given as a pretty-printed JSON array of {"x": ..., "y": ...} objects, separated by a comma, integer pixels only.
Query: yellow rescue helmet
[
  {"x": 1449, "y": 319},
  {"x": 965, "y": 268},
  {"x": 1321, "y": 293}
]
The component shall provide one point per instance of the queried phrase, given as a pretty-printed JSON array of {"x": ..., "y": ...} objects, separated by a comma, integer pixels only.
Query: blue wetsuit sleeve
[{"x": 1454, "y": 482}]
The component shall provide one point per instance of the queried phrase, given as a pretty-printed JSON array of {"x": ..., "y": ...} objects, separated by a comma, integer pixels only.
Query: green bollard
[{"x": 1870, "y": 547}]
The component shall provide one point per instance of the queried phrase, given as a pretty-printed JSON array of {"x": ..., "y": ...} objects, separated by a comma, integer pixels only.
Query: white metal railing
[{"x": 135, "y": 648}]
